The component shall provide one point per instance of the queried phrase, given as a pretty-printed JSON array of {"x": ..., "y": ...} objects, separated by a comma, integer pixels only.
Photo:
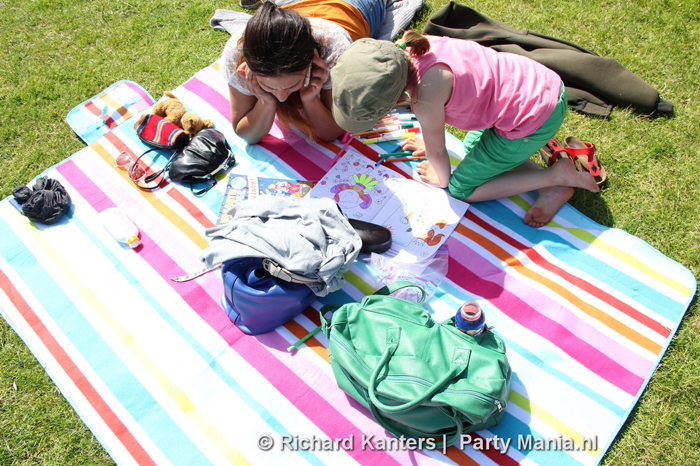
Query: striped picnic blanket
[
  {"x": 161, "y": 376},
  {"x": 108, "y": 109}
]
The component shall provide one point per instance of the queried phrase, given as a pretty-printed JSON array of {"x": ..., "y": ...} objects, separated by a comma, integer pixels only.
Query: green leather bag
[{"x": 419, "y": 378}]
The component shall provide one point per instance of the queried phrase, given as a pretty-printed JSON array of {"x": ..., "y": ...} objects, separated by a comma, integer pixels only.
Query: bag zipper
[
  {"x": 424, "y": 318},
  {"x": 474, "y": 394}
]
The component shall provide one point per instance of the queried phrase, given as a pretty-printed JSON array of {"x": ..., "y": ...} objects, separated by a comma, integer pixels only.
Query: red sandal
[
  {"x": 553, "y": 152},
  {"x": 584, "y": 152}
]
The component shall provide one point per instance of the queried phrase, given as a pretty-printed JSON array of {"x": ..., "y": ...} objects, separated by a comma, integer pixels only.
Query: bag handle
[
  {"x": 460, "y": 360},
  {"x": 199, "y": 192},
  {"x": 277, "y": 271},
  {"x": 400, "y": 285},
  {"x": 152, "y": 176}
]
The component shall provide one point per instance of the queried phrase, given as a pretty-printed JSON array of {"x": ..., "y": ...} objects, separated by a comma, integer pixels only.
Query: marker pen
[
  {"x": 402, "y": 159},
  {"x": 394, "y": 122},
  {"x": 347, "y": 139},
  {"x": 392, "y": 133},
  {"x": 388, "y": 137},
  {"x": 402, "y": 153},
  {"x": 391, "y": 155},
  {"x": 400, "y": 117},
  {"x": 385, "y": 129}
]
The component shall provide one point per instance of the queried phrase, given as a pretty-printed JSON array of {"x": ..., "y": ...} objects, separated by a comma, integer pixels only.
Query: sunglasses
[
  {"x": 124, "y": 161},
  {"x": 136, "y": 171}
]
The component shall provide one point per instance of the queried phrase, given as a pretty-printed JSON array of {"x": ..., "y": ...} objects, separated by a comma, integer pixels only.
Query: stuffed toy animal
[{"x": 174, "y": 111}]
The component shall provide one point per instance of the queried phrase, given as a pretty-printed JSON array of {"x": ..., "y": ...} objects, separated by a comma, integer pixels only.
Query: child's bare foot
[
  {"x": 427, "y": 173},
  {"x": 566, "y": 174},
  {"x": 547, "y": 204}
]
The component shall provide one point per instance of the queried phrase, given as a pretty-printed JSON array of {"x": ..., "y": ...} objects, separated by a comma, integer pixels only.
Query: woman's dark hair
[{"x": 278, "y": 42}]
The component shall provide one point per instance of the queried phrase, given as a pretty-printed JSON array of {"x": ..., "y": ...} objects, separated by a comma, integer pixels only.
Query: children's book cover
[
  {"x": 420, "y": 217},
  {"x": 242, "y": 187}
]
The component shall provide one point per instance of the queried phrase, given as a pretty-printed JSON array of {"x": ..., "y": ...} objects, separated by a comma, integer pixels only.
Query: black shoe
[
  {"x": 251, "y": 4},
  {"x": 375, "y": 238}
]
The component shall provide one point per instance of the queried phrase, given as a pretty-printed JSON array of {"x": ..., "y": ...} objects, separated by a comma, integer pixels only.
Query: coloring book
[
  {"x": 242, "y": 187},
  {"x": 420, "y": 217}
]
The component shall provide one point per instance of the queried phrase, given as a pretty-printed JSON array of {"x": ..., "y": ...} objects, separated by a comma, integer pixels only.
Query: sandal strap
[
  {"x": 557, "y": 150},
  {"x": 557, "y": 154},
  {"x": 589, "y": 150}
]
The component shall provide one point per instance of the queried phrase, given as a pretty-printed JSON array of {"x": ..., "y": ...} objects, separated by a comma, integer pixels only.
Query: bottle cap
[
  {"x": 471, "y": 311},
  {"x": 470, "y": 319},
  {"x": 133, "y": 242}
]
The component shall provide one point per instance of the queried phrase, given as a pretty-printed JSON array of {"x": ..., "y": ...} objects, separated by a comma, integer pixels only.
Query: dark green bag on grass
[{"x": 419, "y": 378}]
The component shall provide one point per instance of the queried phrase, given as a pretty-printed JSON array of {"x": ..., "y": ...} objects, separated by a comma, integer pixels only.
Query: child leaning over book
[{"x": 511, "y": 106}]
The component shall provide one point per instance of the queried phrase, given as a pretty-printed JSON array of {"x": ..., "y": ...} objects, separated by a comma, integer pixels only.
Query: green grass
[{"x": 56, "y": 54}]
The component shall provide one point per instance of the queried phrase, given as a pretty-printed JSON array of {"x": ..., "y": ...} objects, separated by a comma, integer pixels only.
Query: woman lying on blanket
[
  {"x": 280, "y": 64},
  {"x": 520, "y": 102}
]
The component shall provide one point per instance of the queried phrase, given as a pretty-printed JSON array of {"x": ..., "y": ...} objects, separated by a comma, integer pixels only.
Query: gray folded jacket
[{"x": 308, "y": 237}]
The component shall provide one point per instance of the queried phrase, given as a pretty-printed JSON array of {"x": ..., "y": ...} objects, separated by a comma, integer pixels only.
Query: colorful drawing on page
[
  {"x": 285, "y": 188},
  {"x": 420, "y": 217},
  {"x": 242, "y": 187},
  {"x": 359, "y": 188}
]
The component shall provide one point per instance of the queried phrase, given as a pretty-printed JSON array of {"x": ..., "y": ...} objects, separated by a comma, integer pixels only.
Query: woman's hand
[
  {"x": 252, "y": 116},
  {"x": 319, "y": 72},
  {"x": 253, "y": 85}
]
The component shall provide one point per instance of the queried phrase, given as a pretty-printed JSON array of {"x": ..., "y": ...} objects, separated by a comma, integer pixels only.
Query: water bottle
[
  {"x": 120, "y": 227},
  {"x": 470, "y": 319}
]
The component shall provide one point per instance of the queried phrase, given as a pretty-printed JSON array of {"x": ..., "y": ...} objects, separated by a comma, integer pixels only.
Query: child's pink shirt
[{"x": 505, "y": 91}]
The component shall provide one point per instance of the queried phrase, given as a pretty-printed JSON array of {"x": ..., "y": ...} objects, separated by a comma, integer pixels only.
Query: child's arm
[{"x": 430, "y": 95}]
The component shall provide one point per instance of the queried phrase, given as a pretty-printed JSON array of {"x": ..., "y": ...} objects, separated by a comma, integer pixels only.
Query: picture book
[
  {"x": 242, "y": 187},
  {"x": 420, "y": 217}
]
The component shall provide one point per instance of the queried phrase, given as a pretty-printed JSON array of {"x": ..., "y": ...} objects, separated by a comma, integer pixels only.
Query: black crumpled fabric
[{"x": 45, "y": 203}]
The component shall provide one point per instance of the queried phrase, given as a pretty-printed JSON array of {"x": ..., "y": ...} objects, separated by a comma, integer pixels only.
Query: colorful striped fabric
[
  {"x": 158, "y": 132},
  {"x": 108, "y": 109},
  {"x": 161, "y": 376}
]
